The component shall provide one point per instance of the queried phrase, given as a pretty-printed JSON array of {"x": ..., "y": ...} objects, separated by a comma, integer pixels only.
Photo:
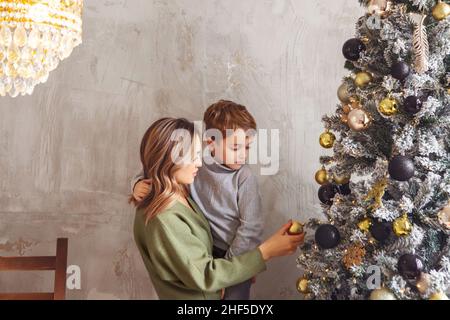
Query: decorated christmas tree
[{"x": 385, "y": 189}]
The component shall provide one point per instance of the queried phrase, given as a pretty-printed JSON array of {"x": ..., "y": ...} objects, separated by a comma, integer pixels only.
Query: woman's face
[{"x": 188, "y": 170}]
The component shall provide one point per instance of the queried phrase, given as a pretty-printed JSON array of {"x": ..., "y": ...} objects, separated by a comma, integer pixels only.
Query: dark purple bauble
[
  {"x": 344, "y": 189},
  {"x": 401, "y": 168},
  {"x": 327, "y": 236},
  {"x": 412, "y": 105},
  {"x": 410, "y": 266},
  {"x": 400, "y": 70},
  {"x": 352, "y": 49},
  {"x": 381, "y": 230},
  {"x": 326, "y": 193}
]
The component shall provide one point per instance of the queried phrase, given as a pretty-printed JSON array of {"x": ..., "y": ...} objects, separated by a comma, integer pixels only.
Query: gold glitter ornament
[
  {"x": 402, "y": 226},
  {"x": 302, "y": 285},
  {"x": 388, "y": 106},
  {"x": 327, "y": 139},
  {"x": 365, "y": 224}
]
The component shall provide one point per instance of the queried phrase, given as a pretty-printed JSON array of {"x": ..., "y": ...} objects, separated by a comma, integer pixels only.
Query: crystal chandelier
[{"x": 34, "y": 36}]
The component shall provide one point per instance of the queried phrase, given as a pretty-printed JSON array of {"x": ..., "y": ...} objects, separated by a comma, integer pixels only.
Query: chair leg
[{"x": 61, "y": 269}]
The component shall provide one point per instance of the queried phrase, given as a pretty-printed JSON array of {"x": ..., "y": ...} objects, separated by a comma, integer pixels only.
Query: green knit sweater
[{"x": 176, "y": 247}]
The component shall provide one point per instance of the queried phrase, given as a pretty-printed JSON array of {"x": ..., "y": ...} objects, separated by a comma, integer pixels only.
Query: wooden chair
[{"x": 57, "y": 263}]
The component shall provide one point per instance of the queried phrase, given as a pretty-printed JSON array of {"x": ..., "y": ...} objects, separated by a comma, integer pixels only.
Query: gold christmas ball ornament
[
  {"x": 382, "y": 294},
  {"x": 441, "y": 11},
  {"x": 438, "y": 296},
  {"x": 327, "y": 139},
  {"x": 378, "y": 7},
  {"x": 344, "y": 118},
  {"x": 423, "y": 283},
  {"x": 322, "y": 176},
  {"x": 358, "y": 120},
  {"x": 296, "y": 228},
  {"x": 388, "y": 106},
  {"x": 303, "y": 285},
  {"x": 343, "y": 179},
  {"x": 362, "y": 79},
  {"x": 365, "y": 224},
  {"x": 402, "y": 226},
  {"x": 444, "y": 216},
  {"x": 343, "y": 94}
]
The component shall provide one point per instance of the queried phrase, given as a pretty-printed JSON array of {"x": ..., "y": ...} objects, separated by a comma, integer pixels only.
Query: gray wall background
[{"x": 67, "y": 153}]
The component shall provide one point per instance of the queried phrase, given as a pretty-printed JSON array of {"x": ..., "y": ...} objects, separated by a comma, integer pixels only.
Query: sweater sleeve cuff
[{"x": 258, "y": 263}]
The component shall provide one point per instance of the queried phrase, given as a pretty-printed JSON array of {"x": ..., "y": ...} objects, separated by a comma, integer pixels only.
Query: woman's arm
[{"x": 174, "y": 249}]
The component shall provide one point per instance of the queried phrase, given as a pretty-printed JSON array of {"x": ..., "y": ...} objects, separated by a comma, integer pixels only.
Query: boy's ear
[{"x": 211, "y": 144}]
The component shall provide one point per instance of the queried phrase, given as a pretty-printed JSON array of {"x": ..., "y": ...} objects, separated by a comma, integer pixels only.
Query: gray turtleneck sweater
[{"x": 231, "y": 202}]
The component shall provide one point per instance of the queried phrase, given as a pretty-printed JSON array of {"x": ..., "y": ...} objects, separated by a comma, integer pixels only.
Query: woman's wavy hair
[{"x": 164, "y": 146}]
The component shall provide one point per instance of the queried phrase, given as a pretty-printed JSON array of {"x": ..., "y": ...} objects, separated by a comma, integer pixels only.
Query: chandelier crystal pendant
[{"x": 34, "y": 36}]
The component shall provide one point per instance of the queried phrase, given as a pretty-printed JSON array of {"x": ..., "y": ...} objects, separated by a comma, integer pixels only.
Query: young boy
[{"x": 225, "y": 189}]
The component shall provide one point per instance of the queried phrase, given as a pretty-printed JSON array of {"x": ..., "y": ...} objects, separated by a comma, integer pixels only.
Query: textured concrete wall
[{"x": 67, "y": 152}]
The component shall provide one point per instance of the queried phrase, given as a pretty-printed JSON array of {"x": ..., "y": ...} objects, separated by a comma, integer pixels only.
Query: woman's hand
[
  {"x": 281, "y": 244},
  {"x": 141, "y": 190}
]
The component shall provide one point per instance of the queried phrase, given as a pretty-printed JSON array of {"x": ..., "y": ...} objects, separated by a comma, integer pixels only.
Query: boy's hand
[
  {"x": 222, "y": 294},
  {"x": 141, "y": 189},
  {"x": 254, "y": 280}
]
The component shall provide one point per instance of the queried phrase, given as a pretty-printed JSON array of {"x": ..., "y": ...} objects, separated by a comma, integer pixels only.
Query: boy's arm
[
  {"x": 249, "y": 233},
  {"x": 140, "y": 176}
]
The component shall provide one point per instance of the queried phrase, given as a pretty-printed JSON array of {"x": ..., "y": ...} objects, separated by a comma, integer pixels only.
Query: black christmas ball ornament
[
  {"x": 412, "y": 105},
  {"x": 326, "y": 193},
  {"x": 387, "y": 196},
  {"x": 400, "y": 70},
  {"x": 352, "y": 49},
  {"x": 410, "y": 266},
  {"x": 344, "y": 189},
  {"x": 381, "y": 230},
  {"x": 401, "y": 168},
  {"x": 327, "y": 236}
]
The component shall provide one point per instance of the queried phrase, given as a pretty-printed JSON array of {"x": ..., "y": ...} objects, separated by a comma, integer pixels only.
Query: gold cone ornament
[{"x": 35, "y": 35}]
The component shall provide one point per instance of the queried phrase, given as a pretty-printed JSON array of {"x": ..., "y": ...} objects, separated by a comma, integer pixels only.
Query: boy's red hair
[{"x": 225, "y": 114}]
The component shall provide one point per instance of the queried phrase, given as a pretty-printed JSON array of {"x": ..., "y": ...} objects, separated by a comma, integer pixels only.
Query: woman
[{"x": 171, "y": 232}]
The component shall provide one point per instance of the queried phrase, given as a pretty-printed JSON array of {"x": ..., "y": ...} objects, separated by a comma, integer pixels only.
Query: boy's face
[{"x": 232, "y": 150}]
